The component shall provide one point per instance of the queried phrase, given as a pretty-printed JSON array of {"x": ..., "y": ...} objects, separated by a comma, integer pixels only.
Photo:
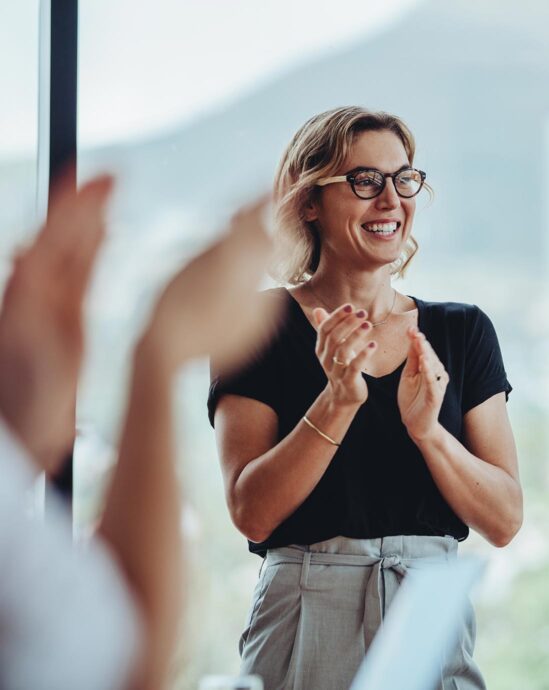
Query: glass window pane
[
  {"x": 170, "y": 91},
  {"x": 18, "y": 124}
]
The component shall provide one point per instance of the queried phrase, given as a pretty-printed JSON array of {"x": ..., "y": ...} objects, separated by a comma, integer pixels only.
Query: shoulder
[
  {"x": 461, "y": 320},
  {"x": 449, "y": 309},
  {"x": 283, "y": 310},
  {"x": 453, "y": 312}
]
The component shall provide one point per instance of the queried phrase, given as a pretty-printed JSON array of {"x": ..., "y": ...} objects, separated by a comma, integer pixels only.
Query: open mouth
[{"x": 382, "y": 228}]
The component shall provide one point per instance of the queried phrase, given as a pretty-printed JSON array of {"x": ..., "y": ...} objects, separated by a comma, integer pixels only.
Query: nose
[{"x": 388, "y": 199}]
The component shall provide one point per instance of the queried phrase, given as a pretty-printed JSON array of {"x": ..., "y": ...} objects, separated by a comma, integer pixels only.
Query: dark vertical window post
[{"x": 62, "y": 136}]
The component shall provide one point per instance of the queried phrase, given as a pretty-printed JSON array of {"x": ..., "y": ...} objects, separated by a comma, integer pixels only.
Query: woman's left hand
[{"x": 422, "y": 386}]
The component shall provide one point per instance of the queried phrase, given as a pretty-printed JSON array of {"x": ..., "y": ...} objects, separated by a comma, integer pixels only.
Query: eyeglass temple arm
[{"x": 328, "y": 180}]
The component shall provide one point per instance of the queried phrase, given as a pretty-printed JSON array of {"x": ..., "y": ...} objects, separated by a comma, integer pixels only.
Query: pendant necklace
[{"x": 377, "y": 323}]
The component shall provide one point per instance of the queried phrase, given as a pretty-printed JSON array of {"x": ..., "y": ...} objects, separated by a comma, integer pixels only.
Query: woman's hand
[
  {"x": 343, "y": 347},
  {"x": 422, "y": 386}
]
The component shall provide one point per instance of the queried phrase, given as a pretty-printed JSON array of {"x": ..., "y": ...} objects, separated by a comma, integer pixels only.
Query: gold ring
[{"x": 337, "y": 361}]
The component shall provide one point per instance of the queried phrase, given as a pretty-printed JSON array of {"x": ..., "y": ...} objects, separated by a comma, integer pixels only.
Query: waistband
[
  {"x": 345, "y": 551},
  {"x": 396, "y": 554}
]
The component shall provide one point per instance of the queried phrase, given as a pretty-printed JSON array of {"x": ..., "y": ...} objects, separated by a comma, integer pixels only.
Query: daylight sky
[{"x": 151, "y": 65}]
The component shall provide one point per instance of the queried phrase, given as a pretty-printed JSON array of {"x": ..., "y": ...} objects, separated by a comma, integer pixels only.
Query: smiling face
[{"x": 365, "y": 233}]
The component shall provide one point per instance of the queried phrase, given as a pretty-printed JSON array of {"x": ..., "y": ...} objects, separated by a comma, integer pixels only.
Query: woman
[{"x": 372, "y": 430}]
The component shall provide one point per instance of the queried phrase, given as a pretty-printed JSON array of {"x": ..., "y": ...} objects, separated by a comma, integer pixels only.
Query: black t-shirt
[{"x": 377, "y": 483}]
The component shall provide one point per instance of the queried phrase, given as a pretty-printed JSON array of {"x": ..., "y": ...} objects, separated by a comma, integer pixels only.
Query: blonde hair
[{"x": 317, "y": 150}]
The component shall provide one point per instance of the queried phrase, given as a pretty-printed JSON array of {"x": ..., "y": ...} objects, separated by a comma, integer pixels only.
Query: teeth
[{"x": 385, "y": 228}]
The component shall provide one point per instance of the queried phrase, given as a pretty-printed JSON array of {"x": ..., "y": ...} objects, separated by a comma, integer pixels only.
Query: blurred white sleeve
[{"x": 67, "y": 620}]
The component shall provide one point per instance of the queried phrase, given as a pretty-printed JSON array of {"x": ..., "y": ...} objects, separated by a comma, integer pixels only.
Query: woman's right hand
[{"x": 344, "y": 346}]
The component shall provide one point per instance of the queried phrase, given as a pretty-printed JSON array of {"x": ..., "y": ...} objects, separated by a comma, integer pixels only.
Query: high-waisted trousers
[{"x": 316, "y": 609}]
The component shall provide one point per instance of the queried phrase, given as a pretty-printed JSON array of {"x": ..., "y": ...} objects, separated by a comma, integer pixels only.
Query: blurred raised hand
[
  {"x": 212, "y": 306},
  {"x": 41, "y": 337}
]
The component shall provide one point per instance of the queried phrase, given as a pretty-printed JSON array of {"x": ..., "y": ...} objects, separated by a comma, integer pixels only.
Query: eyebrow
[{"x": 369, "y": 167}]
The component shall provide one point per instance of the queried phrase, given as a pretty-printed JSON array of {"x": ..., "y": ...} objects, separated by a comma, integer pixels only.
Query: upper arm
[
  {"x": 488, "y": 434},
  {"x": 245, "y": 429}
]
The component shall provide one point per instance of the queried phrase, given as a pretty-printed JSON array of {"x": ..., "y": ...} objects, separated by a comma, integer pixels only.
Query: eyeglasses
[{"x": 368, "y": 183}]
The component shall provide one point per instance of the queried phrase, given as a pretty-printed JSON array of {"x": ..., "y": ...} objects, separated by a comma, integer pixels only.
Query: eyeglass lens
[{"x": 370, "y": 183}]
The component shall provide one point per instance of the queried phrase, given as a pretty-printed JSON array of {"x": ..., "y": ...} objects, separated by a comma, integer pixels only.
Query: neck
[{"x": 364, "y": 289}]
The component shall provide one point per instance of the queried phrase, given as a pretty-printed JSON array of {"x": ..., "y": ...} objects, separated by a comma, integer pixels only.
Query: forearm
[
  {"x": 142, "y": 514},
  {"x": 484, "y": 496},
  {"x": 272, "y": 486}
]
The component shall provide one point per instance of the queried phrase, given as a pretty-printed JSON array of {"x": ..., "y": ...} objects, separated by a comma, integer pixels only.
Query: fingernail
[
  {"x": 371, "y": 345},
  {"x": 361, "y": 313},
  {"x": 365, "y": 325},
  {"x": 347, "y": 308}
]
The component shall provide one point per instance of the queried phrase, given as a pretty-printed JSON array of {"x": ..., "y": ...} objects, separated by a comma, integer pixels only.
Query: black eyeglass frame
[{"x": 351, "y": 175}]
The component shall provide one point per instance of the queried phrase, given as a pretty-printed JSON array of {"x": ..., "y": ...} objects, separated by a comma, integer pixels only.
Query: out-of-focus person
[{"x": 103, "y": 615}]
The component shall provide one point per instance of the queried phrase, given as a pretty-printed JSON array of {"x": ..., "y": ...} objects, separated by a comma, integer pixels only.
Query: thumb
[{"x": 320, "y": 315}]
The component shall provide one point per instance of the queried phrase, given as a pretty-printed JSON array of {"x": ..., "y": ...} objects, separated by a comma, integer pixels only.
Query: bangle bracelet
[{"x": 321, "y": 433}]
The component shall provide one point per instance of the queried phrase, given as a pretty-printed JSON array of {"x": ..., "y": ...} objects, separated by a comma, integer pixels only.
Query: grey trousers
[{"x": 316, "y": 609}]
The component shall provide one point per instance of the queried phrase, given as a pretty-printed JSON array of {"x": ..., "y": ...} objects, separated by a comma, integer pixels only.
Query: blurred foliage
[{"x": 513, "y": 650}]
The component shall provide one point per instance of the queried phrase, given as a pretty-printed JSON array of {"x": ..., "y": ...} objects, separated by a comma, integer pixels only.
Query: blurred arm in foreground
[
  {"x": 209, "y": 307},
  {"x": 68, "y": 618}
]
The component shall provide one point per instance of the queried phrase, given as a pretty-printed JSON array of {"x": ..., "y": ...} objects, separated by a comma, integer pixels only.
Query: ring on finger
[{"x": 337, "y": 361}]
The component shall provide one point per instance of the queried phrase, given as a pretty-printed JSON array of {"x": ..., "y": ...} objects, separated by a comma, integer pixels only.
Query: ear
[{"x": 310, "y": 211}]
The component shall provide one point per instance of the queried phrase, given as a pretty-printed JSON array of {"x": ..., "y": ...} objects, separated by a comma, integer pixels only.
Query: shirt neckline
[{"x": 312, "y": 331}]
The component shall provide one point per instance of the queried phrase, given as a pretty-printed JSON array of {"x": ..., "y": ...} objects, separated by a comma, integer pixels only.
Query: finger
[
  {"x": 64, "y": 251},
  {"x": 90, "y": 215},
  {"x": 361, "y": 361},
  {"x": 427, "y": 370},
  {"x": 343, "y": 330},
  {"x": 325, "y": 328},
  {"x": 337, "y": 340},
  {"x": 251, "y": 223},
  {"x": 87, "y": 226},
  {"x": 320, "y": 315},
  {"x": 434, "y": 358},
  {"x": 68, "y": 203},
  {"x": 354, "y": 342},
  {"x": 433, "y": 376},
  {"x": 434, "y": 363},
  {"x": 250, "y": 211},
  {"x": 411, "y": 368},
  {"x": 68, "y": 243},
  {"x": 240, "y": 256}
]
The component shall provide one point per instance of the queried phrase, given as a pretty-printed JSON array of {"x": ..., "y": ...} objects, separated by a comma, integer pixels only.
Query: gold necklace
[{"x": 377, "y": 323}]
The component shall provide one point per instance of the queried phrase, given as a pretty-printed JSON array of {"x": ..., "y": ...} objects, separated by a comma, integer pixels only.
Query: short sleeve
[
  {"x": 259, "y": 377},
  {"x": 484, "y": 374}
]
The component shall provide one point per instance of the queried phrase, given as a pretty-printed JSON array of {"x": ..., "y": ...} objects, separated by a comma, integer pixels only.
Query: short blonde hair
[{"x": 317, "y": 150}]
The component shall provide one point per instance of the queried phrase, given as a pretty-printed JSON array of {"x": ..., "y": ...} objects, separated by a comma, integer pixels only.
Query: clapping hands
[
  {"x": 422, "y": 387},
  {"x": 41, "y": 334},
  {"x": 344, "y": 347},
  {"x": 210, "y": 307}
]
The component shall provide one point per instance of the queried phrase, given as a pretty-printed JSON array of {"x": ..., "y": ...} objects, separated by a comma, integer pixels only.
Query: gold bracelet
[{"x": 309, "y": 423}]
